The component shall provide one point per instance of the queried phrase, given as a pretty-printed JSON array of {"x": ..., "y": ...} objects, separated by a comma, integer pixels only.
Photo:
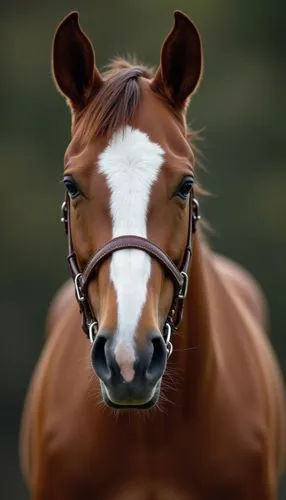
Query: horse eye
[
  {"x": 71, "y": 186},
  {"x": 184, "y": 188}
]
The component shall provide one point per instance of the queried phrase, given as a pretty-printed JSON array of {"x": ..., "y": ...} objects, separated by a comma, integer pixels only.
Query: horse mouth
[{"x": 131, "y": 403}]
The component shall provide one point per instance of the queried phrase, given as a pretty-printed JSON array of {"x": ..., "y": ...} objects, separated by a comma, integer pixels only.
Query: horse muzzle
[{"x": 129, "y": 380}]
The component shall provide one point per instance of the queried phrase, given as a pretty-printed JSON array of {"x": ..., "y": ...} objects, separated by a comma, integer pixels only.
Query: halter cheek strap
[{"x": 179, "y": 275}]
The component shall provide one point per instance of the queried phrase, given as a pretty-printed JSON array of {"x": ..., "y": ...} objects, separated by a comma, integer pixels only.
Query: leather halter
[{"x": 179, "y": 275}]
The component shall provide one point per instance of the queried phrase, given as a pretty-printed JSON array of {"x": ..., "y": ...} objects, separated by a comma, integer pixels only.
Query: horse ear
[
  {"x": 180, "y": 68},
  {"x": 73, "y": 63}
]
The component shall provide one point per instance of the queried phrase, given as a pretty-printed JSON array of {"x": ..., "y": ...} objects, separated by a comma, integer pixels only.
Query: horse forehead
[
  {"x": 156, "y": 121},
  {"x": 163, "y": 125}
]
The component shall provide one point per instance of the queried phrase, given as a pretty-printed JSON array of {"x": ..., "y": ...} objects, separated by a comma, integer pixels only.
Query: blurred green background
[{"x": 240, "y": 107}]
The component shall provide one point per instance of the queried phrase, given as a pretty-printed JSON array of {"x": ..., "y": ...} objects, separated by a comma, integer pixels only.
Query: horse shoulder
[
  {"x": 30, "y": 422},
  {"x": 60, "y": 302},
  {"x": 246, "y": 286},
  {"x": 28, "y": 444},
  {"x": 254, "y": 299}
]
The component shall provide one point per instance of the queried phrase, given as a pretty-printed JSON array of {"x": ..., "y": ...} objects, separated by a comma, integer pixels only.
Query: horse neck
[{"x": 192, "y": 367}]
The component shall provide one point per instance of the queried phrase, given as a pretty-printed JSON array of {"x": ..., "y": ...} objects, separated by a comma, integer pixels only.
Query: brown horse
[{"x": 217, "y": 429}]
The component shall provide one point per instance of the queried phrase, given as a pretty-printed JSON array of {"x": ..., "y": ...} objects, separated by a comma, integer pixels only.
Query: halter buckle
[
  {"x": 92, "y": 330},
  {"x": 184, "y": 289},
  {"x": 78, "y": 292}
]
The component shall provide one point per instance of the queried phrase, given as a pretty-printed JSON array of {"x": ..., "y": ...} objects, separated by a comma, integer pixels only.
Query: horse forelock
[{"x": 114, "y": 105}]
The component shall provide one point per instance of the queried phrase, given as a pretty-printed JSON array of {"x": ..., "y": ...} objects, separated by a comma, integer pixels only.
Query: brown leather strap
[{"x": 134, "y": 242}]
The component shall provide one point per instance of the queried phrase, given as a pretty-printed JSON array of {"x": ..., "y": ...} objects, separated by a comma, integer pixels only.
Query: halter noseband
[{"x": 179, "y": 275}]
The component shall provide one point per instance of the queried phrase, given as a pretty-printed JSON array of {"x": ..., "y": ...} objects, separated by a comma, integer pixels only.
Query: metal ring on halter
[
  {"x": 168, "y": 330},
  {"x": 196, "y": 210},
  {"x": 79, "y": 296},
  {"x": 63, "y": 212},
  {"x": 64, "y": 216},
  {"x": 169, "y": 347},
  {"x": 91, "y": 332}
]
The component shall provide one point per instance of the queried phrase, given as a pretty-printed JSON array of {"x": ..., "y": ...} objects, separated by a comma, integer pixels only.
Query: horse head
[{"x": 129, "y": 173}]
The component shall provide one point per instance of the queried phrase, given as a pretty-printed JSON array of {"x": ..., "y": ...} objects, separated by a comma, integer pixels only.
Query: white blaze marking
[{"x": 131, "y": 163}]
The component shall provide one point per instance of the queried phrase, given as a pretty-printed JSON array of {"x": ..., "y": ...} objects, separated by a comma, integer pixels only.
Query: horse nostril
[
  {"x": 99, "y": 357},
  {"x": 159, "y": 359}
]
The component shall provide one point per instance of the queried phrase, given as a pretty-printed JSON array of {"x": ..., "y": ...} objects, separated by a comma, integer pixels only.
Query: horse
[{"x": 112, "y": 413}]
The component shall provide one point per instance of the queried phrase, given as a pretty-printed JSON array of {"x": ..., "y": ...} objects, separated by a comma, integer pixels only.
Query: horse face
[{"x": 129, "y": 171}]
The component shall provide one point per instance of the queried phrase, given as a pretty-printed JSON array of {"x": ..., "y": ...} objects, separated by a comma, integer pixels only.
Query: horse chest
[
  {"x": 166, "y": 467},
  {"x": 132, "y": 466}
]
